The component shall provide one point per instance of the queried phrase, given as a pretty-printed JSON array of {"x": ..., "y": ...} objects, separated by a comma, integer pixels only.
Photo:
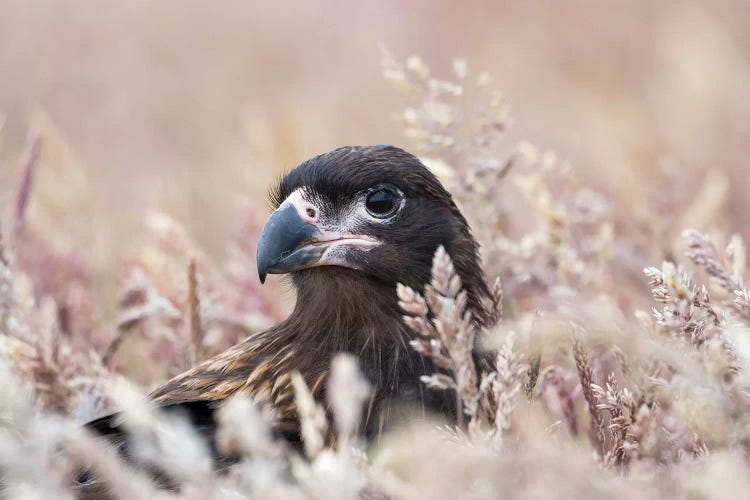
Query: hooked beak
[{"x": 290, "y": 242}]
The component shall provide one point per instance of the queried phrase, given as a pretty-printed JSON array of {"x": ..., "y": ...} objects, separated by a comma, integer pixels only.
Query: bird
[{"x": 347, "y": 226}]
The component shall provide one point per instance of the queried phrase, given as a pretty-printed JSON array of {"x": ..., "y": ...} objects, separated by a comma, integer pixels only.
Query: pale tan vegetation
[{"x": 620, "y": 361}]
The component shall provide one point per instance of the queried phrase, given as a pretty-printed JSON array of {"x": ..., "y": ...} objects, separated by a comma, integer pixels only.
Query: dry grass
[{"x": 636, "y": 384}]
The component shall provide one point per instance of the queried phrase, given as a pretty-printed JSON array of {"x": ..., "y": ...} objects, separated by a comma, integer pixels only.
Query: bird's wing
[
  {"x": 259, "y": 367},
  {"x": 199, "y": 413},
  {"x": 242, "y": 367}
]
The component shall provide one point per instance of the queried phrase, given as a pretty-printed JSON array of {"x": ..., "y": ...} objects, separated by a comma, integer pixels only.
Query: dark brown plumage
[{"x": 348, "y": 225}]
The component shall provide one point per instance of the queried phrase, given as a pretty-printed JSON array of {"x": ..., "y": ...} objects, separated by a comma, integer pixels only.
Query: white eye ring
[{"x": 383, "y": 202}]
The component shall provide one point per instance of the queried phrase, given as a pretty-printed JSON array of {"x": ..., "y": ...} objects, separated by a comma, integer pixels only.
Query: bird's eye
[{"x": 382, "y": 203}]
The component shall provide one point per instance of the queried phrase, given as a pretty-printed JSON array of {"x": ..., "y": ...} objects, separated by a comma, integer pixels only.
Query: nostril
[{"x": 311, "y": 212}]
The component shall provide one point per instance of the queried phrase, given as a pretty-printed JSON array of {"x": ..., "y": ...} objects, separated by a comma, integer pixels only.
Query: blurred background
[
  {"x": 193, "y": 109},
  {"x": 138, "y": 139}
]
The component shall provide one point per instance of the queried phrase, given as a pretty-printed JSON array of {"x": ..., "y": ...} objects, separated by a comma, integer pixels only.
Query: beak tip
[{"x": 262, "y": 269}]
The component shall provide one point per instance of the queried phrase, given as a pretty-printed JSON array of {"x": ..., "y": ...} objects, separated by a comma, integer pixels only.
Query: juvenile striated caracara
[{"x": 348, "y": 226}]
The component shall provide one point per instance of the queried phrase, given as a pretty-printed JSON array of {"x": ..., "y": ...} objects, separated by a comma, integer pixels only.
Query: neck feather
[
  {"x": 344, "y": 309},
  {"x": 339, "y": 310}
]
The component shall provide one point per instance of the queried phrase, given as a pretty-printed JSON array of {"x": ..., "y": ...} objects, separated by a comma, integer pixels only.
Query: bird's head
[{"x": 367, "y": 215}]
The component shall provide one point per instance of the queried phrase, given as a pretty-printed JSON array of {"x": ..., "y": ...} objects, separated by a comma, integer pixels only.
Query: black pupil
[{"x": 381, "y": 202}]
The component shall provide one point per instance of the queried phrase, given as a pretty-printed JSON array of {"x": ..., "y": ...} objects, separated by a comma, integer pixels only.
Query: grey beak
[{"x": 283, "y": 244}]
